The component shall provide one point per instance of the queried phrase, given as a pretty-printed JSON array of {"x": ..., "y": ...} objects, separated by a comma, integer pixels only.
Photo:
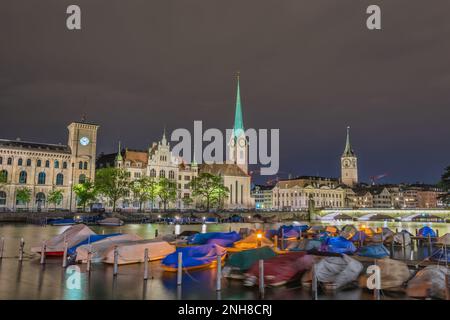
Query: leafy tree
[
  {"x": 23, "y": 195},
  {"x": 187, "y": 201},
  {"x": 55, "y": 196},
  {"x": 445, "y": 185},
  {"x": 209, "y": 188},
  {"x": 112, "y": 183},
  {"x": 85, "y": 192},
  {"x": 167, "y": 191},
  {"x": 145, "y": 188}
]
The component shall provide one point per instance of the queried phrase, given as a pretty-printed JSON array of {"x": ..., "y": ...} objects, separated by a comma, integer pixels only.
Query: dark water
[{"x": 30, "y": 280}]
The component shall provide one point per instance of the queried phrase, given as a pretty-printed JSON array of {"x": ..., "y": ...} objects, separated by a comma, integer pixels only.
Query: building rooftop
[{"x": 34, "y": 146}]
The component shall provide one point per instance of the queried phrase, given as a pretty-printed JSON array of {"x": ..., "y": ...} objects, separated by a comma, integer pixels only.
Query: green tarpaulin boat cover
[{"x": 245, "y": 259}]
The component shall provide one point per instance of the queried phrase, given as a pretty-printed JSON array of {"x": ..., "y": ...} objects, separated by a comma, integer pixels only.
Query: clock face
[
  {"x": 346, "y": 163},
  {"x": 84, "y": 141},
  {"x": 242, "y": 142}
]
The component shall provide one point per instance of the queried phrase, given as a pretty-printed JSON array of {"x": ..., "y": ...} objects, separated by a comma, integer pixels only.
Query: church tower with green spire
[
  {"x": 238, "y": 144},
  {"x": 349, "y": 164}
]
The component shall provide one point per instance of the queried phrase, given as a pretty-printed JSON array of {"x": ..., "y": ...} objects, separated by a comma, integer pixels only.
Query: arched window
[
  {"x": 64, "y": 165},
  {"x": 153, "y": 173},
  {"x": 9, "y": 161},
  {"x": 85, "y": 166},
  {"x": 28, "y": 162},
  {"x": 162, "y": 174},
  {"x": 4, "y": 176},
  {"x": 80, "y": 165},
  {"x": 1, "y": 160},
  {"x": 2, "y": 198},
  {"x": 47, "y": 163},
  {"x": 23, "y": 177},
  {"x": 41, "y": 178},
  {"x": 82, "y": 178},
  {"x": 39, "y": 163},
  {"x": 56, "y": 164},
  {"x": 59, "y": 179},
  {"x": 20, "y": 162},
  {"x": 40, "y": 199},
  {"x": 171, "y": 175}
]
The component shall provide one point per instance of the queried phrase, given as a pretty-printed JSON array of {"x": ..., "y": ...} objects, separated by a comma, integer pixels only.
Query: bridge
[{"x": 385, "y": 214}]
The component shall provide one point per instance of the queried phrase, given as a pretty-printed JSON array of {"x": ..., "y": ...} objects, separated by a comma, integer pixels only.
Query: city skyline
[{"x": 171, "y": 72}]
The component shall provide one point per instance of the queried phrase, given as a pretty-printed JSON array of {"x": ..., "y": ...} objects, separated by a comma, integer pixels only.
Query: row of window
[
  {"x": 40, "y": 199},
  {"x": 81, "y": 165},
  {"x": 324, "y": 195},
  {"x": 23, "y": 176},
  {"x": 162, "y": 174}
]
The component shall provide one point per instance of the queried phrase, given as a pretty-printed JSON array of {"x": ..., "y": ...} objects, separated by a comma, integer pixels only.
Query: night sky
[{"x": 309, "y": 68}]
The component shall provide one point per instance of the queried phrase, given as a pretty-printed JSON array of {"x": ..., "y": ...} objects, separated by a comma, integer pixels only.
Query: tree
[
  {"x": 445, "y": 185},
  {"x": 55, "y": 196},
  {"x": 187, "y": 201},
  {"x": 85, "y": 192},
  {"x": 23, "y": 195},
  {"x": 167, "y": 191},
  {"x": 112, "y": 183},
  {"x": 145, "y": 188},
  {"x": 209, "y": 188}
]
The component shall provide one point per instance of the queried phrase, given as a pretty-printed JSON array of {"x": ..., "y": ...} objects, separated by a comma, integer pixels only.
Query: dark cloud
[{"x": 309, "y": 68}]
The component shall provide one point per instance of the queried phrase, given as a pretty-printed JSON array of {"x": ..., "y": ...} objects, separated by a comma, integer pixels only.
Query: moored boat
[
  {"x": 194, "y": 258},
  {"x": 113, "y": 222}
]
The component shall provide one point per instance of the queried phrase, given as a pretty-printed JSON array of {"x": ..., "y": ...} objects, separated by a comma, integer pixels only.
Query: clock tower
[
  {"x": 349, "y": 164},
  {"x": 238, "y": 144}
]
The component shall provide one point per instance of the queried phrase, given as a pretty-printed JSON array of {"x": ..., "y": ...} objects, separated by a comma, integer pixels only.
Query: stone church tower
[
  {"x": 349, "y": 164},
  {"x": 238, "y": 144}
]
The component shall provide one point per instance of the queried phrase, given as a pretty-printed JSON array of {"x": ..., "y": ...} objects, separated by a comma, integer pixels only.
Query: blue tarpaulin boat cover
[
  {"x": 269, "y": 234},
  {"x": 224, "y": 239},
  {"x": 91, "y": 239},
  {"x": 291, "y": 231},
  {"x": 376, "y": 251},
  {"x": 194, "y": 256},
  {"x": 359, "y": 236},
  {"x": 338, "y": 245},
  {"x": 425, "y": 231}
]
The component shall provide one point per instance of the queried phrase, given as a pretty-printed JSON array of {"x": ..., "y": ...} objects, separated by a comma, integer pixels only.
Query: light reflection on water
[{"x": 30, "y": 280}]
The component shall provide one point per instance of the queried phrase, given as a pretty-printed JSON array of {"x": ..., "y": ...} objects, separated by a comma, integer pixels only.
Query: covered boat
[
  {"x": 394, "y": 274},
  {"x": 359, "y": 236},
  {"x": 196, "y": 257},
  {"x": 253, "y": 241},
  {"x": 280, "y": 269},
  {"x": 72, "y": 236},
  {"x": 426, "y": 232},
  {"x": 294, "y": 231},
  {"x": 338, "y": 245},
  {"x": 428, "y": 282},
  {"x": 376, "y": 251},
  {"x": 223, "y": 239},
  {"x": 337, "y": 272},
  {"x": 441, "y": 255},
  {"x": 348, "y": 231},
  {"x": 384, "y": 235},
  {"x": 444, "y": 240},
  {"x": 304, "y": 245},
  {"x": 240, "y": 262},
  {"x": 110, "y": 222},
  {"x": 61, "y": 222},
  {"x": 133, "y": 252},
  {"x": 91, "y": 239},
  {"x": 100, "y": 248},
  {"x": 402, "y": 238}
]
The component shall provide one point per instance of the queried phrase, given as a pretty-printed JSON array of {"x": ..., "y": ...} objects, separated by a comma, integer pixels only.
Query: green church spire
[
  {"x": 119, "y": 154},
  {"x": 348, "y": 151},
  {"x": 238, "y": 121}
]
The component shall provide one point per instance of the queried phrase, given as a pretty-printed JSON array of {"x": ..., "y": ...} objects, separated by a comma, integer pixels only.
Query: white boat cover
[
  {"x": 72, "y": 235},
  {"x": 338, "y": 270},
  {"x": 445, "y": 239},
  {"x": 100, "y": 248},
  {"x": 133, "y": 252},
  {"x": 110, "y": 221},
  {"x": 398, "y": 238},
  {"x": 428, "y": 282},
  {"x": 394, "y": 274}
]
